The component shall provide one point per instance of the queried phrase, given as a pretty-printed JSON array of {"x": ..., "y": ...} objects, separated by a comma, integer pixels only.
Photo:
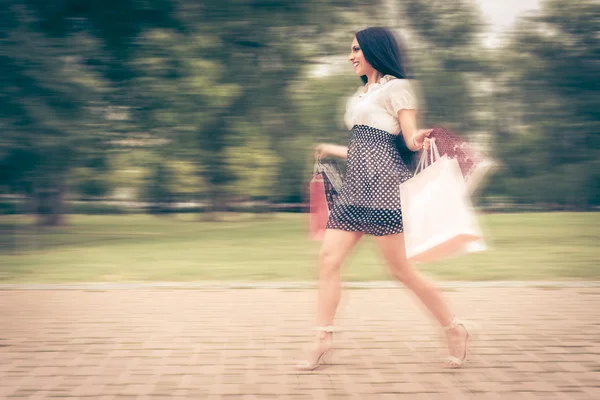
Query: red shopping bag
[
  {"x": 319, "y": 210},
  {"x": 474, "y": 164}
]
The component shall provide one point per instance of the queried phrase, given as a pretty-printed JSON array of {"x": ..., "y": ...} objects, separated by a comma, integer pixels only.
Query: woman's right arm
[{"x": 325, "y": 149}]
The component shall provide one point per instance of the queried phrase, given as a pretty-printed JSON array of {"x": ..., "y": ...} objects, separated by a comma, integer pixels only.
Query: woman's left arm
[{"x": 415, "y": 139}]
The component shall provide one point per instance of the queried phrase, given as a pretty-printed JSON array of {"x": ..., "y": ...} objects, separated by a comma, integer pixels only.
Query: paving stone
[{"x": 225, "y": 343}]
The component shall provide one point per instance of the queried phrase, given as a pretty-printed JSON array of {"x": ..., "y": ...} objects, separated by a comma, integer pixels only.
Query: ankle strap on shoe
[
  {"x": 328, "y": 328},
  {"x": 453, "y": 325}
]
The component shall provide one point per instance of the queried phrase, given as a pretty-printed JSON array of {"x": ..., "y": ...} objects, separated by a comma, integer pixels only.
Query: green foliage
[
  {"x": 213, "y": 101},
  {"x": 549, "y": 105},
  {"x": 91, "y": 182},
  {"x": 158, "y": 188}
]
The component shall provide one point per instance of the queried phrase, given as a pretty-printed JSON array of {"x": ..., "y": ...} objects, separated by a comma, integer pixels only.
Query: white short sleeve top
[{"x": 378, "y": 107}]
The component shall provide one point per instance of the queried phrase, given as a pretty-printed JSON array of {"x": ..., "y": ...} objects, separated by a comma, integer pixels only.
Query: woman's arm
[
  {"x": 414, "y": 138},
  {"x": 325, "y": 149}
]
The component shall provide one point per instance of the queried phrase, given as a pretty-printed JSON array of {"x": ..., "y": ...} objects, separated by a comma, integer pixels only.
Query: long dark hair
[{"x": 385, "y": 53}]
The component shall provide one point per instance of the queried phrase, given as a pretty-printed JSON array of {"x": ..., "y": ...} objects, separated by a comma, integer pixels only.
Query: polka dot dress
[{"x": 369, "y": 200}]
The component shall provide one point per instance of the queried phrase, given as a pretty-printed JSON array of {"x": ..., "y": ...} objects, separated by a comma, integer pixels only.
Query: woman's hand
[
  {"x": 421, "y": 139},
  {"x": 322, "y": 151},
  {"x": 325, "y": 149}
]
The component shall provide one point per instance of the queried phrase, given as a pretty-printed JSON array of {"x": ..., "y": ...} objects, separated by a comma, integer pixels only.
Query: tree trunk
[
  {"x": 211, "y": 213},
  {"x": 49, "y": 206}
]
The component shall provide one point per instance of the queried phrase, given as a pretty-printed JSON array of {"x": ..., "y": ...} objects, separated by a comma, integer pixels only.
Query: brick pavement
[{"x": 533, "y": 343}]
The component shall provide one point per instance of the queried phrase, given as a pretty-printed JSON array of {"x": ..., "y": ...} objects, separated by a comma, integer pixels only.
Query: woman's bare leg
[
  {"x": 392, "y": 247},
  {"x": 336, "y": 245}
]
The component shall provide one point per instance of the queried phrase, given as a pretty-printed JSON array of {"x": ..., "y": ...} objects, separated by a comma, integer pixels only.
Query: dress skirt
[{"x": 369, "y": 199}]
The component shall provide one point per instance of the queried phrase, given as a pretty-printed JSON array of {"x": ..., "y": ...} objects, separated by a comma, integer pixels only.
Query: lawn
[{"x": 128, "y": 248}]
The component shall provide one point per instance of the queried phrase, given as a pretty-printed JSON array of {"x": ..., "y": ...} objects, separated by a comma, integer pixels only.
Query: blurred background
[{"x": 172, "y": 139}]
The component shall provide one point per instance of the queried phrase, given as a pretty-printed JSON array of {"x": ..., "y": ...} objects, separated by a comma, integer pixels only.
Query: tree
[
  {"x": 49, "y": 111},
  {"x": 549, "y": 97},
  {"x": 222, "y": 87},
  {"x": 448, "y": 59}
]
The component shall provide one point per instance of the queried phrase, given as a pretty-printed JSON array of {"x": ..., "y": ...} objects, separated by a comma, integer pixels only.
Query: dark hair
[{"x": 383, "y": 51}]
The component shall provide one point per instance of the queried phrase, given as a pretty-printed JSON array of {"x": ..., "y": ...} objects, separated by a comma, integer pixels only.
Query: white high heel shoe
[
  {"x": 452, "y": 361},
  {"x": 325, "y": 348}
]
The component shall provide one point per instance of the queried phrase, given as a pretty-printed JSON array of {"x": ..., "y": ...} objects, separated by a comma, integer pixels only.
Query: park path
[{"x": 186, "y": 343}]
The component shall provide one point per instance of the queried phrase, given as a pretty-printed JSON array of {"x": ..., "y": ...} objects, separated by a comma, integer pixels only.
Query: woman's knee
[
  {"x": 329, "y": 261},
  {"x": 404, "y": 272}
]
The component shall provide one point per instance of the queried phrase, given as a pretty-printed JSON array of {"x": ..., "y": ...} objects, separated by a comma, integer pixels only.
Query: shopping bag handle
[
  {"x": 433, "y": 152},
  {"x": 318, "y": 168}
]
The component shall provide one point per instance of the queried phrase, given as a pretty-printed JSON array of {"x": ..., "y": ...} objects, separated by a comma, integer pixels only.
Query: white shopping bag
[{"x": 438, "y": 217}]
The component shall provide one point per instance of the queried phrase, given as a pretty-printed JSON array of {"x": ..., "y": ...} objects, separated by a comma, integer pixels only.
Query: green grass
[{"x": 544, "y": 246}]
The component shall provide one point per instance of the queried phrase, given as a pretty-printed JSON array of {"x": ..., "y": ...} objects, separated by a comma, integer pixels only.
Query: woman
[{"x": 369, "y": 201}]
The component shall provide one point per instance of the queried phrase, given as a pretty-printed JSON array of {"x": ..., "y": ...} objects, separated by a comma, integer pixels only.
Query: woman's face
[{"x": 360, "y": 64}]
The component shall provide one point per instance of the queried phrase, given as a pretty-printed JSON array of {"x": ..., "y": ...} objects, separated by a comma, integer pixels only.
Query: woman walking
[{"x": 369, "y": 200}]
